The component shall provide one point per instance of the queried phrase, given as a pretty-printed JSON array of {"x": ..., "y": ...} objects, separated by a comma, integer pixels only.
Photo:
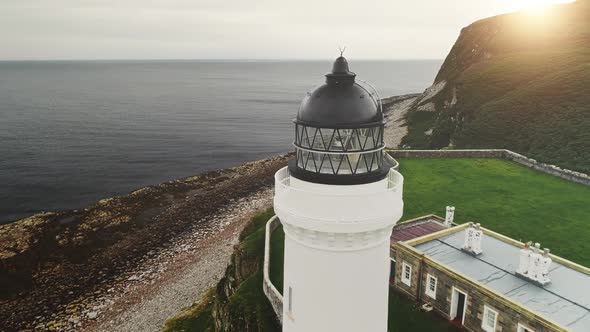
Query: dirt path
[{"x": 395, "y": 125}]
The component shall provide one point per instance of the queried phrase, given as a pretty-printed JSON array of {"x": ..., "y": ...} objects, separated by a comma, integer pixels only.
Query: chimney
[
  {"x": 449, "y": 216},
  {"x": 468, "y": 239},
  {"x": 534, "y": 264},
  {"x": 546, "y": 265},
  {"x": 477, "y": 239},
  {"x": 473, "y": 239},
  {"x": 524, "y": 258}
]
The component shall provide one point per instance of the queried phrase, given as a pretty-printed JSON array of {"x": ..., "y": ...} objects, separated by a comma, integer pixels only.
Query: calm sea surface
[{"x": 72, "y": 133}]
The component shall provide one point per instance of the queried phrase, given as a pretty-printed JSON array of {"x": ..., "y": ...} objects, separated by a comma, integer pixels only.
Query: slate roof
[
  {"x": 416, "y": 228},
  {"x": 566, "y": 300}
]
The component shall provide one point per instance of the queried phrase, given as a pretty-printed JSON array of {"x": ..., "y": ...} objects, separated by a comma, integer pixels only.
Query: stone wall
[
  {"x": 415, "y": 262},
  {"x": 565, "y": 174},
  {"x": 274, "y": 296},
  {"x": 509, "y": 313}
]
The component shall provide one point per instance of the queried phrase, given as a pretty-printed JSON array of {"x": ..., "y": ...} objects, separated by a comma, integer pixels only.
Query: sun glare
[{"x": 535, "y": 5}]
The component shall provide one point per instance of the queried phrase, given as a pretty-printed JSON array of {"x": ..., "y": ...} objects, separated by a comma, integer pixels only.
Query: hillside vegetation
[
  {"x": 237, "y": 304},
  {"x": 518, "y": 81}
]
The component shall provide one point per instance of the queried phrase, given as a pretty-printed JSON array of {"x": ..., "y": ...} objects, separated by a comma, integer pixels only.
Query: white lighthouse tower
[{"x": 338, "y": 201}]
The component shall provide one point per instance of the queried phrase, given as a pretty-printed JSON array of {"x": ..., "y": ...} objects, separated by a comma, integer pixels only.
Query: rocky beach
[
  {"x": 60, "y": 271},
  {"x": 128, "y": 263}
]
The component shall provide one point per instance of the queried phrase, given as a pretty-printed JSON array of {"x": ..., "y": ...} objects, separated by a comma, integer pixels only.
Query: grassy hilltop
[{"x": 518, "y": 81}]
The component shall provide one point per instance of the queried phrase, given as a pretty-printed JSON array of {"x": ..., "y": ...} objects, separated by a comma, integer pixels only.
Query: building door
[
  {"x": 458, "y": 305},
  {"x": 392, "y": 270}
]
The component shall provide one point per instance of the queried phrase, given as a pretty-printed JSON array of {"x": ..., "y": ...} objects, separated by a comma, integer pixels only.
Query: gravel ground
[
  {"x": 177, "y": 276},
  {"x": 395, "y": 125}
]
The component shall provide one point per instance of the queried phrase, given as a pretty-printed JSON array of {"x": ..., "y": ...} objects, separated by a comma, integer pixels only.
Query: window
[
  {"x": 431, "y": 285},
  {"x": 339, "y": 151},
  {"x": 522, "y": 328},
  {"x": 490, "y": 318},
  {"x": 407, "y": 274}
]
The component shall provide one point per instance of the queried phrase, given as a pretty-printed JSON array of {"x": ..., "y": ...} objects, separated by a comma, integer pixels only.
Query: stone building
[{"x": 483, "y": 292}]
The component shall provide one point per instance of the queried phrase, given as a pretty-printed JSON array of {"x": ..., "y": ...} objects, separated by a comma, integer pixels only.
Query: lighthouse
[{"x": 338, "y": 201}]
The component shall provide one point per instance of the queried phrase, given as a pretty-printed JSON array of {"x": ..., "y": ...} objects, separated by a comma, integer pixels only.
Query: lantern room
[{"x": 339, "y": 132}]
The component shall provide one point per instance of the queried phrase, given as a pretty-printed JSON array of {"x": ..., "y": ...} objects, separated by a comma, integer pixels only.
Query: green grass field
[{"x": 505, "y": 197}]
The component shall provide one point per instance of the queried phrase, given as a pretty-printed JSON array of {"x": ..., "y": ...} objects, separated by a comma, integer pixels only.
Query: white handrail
[{"x": 271, "y": 292}]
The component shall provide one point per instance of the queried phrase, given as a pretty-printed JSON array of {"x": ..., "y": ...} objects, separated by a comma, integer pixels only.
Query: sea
[{"x": 75, "y": 132}]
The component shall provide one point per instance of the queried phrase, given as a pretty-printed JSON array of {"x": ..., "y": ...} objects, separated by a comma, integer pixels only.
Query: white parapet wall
[
  {"x": 271, "y": 292},
  {"x": 559, "y": 172}
]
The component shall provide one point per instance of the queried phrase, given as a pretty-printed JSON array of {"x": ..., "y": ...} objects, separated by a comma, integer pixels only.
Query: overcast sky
[{"x": 236, "y": 29}]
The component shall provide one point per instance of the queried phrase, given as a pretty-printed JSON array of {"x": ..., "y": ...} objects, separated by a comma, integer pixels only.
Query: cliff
[
  {"x": 237, "y": 303},
  {"x": 516, "y": 81}
]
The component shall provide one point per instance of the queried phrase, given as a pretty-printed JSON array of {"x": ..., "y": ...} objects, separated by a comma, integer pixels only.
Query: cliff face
[
  {"x": 517, "y": 81},
  {"x": 237, "y": 303}
]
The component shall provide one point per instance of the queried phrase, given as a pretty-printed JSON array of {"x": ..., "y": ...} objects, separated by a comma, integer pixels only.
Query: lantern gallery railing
[{"x": 339, "y": 151}]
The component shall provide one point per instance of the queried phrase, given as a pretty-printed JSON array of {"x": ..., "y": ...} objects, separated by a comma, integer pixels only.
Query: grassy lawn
[
  {"x": 505, "y": 197},
  {"x": 277, "y": 251},
  {"x": 405, "y": 316},
  {"x": 194, "y": 318}
]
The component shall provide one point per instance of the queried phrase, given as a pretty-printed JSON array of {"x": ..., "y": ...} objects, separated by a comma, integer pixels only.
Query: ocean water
[{"x": 74, "y": 132}]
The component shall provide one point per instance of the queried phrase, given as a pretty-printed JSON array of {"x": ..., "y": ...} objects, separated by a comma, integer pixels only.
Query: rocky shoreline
[
  {"x": 176, "y": 276},
  {"x": 60, "y": 270},
  {"x": 127, "y": 263}
]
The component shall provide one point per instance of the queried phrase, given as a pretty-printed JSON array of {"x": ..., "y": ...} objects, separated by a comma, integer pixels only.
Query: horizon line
[{"x": 217, "y": 59}]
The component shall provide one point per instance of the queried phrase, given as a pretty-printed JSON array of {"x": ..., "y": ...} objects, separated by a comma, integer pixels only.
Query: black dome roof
[{"x": 340, "y": 102}]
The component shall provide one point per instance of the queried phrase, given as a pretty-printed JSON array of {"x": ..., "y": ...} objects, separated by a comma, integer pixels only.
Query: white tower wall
[{"x": 337, "y": 238}]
